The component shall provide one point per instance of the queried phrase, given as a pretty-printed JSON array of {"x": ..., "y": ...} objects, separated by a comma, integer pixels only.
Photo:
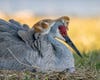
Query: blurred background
[{"x": 84, "y": 27}]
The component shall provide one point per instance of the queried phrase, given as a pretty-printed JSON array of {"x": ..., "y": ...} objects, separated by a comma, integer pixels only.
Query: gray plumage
[{"x": 32, "y": 49}]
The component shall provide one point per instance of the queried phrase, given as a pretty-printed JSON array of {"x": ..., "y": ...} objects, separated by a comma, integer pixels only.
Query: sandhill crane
[{"x": 36, "y": 48}]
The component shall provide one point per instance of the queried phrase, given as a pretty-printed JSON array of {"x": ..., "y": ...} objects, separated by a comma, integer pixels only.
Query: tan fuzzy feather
[{"x": 42, "y": 25}]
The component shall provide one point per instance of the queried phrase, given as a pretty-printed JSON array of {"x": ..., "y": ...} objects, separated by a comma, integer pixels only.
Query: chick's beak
[{"x": 63, "y": 32}]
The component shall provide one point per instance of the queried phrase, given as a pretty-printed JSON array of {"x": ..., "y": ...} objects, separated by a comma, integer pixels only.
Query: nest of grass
[{"x": 80, "y": 74}]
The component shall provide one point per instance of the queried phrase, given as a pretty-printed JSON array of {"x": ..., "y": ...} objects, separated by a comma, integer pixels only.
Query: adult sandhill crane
[{"x": 36, "y": 48}]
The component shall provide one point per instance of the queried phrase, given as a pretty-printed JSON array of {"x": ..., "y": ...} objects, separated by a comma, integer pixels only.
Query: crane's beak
[
  {"x": 70, "y": 43},
  {"x": 68, "y": 40}
]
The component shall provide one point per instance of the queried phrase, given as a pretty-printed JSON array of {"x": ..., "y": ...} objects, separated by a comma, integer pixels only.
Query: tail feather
[
  {"x": 2, "y": 22},
  {"x": 6, "y": 26},
  {"x": 12, "y": 25},
  {"x": 16, "y": 25},
  {"x": 15, "y": 22}
]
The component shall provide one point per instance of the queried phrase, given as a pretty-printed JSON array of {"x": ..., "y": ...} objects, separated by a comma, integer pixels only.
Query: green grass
[
  {"x": 87, "y": 68},
  {"x": 90, "y": 59}
]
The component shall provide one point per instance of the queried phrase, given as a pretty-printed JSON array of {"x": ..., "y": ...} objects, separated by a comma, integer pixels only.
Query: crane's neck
[{"x": 54, "y": 41}]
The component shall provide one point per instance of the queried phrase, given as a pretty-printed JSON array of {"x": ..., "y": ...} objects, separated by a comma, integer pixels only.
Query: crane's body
[{"x": 24, "y": 48}]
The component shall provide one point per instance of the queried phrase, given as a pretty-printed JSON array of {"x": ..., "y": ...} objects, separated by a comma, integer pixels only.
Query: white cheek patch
[
  {"x": 58, "y": 35},
  {"x": 64, "y": 22}
]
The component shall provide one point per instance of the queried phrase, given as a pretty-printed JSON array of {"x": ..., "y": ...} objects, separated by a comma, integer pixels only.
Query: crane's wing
[
  {"x": 18, "y": 32},
  {"x": 13, "y": 30},
  {"x": 13, "y": 37}
]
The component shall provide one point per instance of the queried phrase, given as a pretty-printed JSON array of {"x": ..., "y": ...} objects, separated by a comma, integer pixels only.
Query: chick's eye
[{"x": 67, "y": 22}]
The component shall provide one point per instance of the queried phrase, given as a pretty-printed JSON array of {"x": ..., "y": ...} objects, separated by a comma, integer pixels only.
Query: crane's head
[
  {"x": 63, "y": 28},
  {"x": 57, "y": 28}
]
